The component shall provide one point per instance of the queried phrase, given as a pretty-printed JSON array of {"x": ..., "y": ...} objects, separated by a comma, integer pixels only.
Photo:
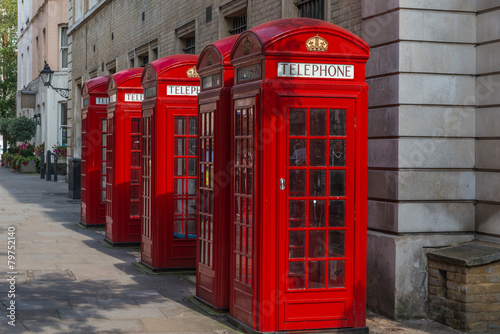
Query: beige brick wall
[
  {"x": 465, "y": 298},
  {"x": 347, "y": 14}
]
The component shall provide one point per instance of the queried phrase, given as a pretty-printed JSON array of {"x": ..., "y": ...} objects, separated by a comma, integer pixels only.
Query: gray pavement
[{"x": 108, "y": 294}]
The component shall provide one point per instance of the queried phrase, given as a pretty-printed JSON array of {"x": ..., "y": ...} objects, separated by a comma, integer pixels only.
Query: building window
[
  {"x": 63, "y": 124},
  {"x": 239, "y": 25},
  {"x": 235, "y": 18},
  {"x": 143, "y": 54},
  {"x": 63, "y": 50},
  {"x": 189, "y": 45},
  {"x": 186, "y": 37},
  {"x": 314, "y": 9}
]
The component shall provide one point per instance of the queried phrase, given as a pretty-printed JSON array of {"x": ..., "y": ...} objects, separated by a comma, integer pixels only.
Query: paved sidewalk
[{"x": 109, "y": 295}]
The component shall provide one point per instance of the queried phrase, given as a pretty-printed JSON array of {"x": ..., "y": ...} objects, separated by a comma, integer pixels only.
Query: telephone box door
[{"x": 316, "y": 217}]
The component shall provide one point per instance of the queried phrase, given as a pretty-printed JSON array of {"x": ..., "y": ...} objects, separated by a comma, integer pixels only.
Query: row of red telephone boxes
[{"x": 219, "y": 162}]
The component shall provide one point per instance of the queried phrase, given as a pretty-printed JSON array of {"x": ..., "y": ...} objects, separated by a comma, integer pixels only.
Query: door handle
[{"x": 282, "y": 184}]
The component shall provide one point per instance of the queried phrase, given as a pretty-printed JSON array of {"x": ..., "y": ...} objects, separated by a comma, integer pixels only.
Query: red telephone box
[
  {"x": 93, "y": 164},
  {"x": 123, "y": 157},
  {"x": 300, "y": 174},
  {"x": 169, "y": 162},
  {"x": 213, "y": 219}
]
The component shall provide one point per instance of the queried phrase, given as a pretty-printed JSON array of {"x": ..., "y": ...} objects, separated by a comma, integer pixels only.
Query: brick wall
[
  {"x": 465, "y": 298},
  {"x": 347, "y": 14}
]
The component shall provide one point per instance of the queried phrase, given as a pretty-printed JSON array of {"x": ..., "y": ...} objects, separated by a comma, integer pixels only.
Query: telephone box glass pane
[
  {"x": 298, "y": 122},
  {"x": 135, "y": 210},
  {"x": 336, "y": 243},
  {"x": 316, "y": 274},
  {"x": 297, "y": 275},
  {"x": 178, "y": 186},
  {"x": 317, "y": 152},
  {"x": 136, "y": 126},
  {"x": 336, "y": 274},
  {"x": 337, "y": 122},
  {"x": 192, "y": 146},
  {"x": 337, "y": 183},
  {"x": 298, "y": 152},
  {"x": 317, "y": 213},
  {"x": 317, "y": 181},
  {"x": 193, "y": 126},
  {"x": 297, "y": 240},
  {"x": 180, "y": 166},
  {"x": 180, "y": 146},
  {"x": 180, "y": 125},
  {"x": 136, "y": 143},
  {"x": 135, "y": 175},
  {"x": 191, "y": 186},
  {"x": 297, "y": 183},
  {"x": 297, "y": 214},
  {"x": 317, "y": 122},
  {"x": 135, "y": 159},
  {"x": 337, "y": 153},
  {"x": 316, "y": 244},
  {"x": 336, "y": 214}
]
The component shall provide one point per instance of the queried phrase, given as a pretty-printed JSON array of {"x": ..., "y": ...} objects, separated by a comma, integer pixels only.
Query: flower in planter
[
  {"x": 39, "y": 150},
  {"x": 60, "y": 151}
]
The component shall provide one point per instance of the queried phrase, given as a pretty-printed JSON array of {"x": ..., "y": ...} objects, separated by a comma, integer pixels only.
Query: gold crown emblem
[
  {"x": 191, "y": 73},
  {"x": 317, "y": 44}
]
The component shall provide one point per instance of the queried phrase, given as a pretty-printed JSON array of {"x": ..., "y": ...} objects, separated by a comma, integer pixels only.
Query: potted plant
[{"x": 60, "y": 151}]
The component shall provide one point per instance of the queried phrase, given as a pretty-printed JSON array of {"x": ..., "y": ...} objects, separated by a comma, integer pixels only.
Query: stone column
[{"x": 421, "y": 179}]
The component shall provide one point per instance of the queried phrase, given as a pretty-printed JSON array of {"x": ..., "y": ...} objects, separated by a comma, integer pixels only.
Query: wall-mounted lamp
[
  {"x": 46, "y": 75},
  {"x": 38, "y": 119}
]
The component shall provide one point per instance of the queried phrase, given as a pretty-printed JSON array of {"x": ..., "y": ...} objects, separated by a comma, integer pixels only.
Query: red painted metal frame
[
  {"x": 159, "y": 249},
  {"x": 260, "y": 298},
  {"x": 93, "y": 113},
  {"x": 123, "y": 158},
  {"x": 213, "y": 221}
]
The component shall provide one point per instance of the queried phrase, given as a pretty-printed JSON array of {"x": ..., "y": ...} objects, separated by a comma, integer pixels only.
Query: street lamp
[
  {"x": 46, "y": 75},
  {"x": 38, "y": 119}
]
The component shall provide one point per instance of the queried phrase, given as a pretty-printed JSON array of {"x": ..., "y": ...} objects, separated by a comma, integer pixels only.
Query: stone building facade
[
  {"x": 434, "y": 111},
  {"x": 42, "y": 27}
]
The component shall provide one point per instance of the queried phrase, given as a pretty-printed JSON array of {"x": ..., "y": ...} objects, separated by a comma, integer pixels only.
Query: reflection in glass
[
  {"x": 337, "y": 182},
  {"x": 298, "y": 122},
  {"x": 180, "y": 126},
  {"x": 297, "y": 183},
  {"x": 244, "y": 122},
  {"x": 336, "y": 243},
  {"x": 298, "y": 152},
  {"x": 336, "y": 214},
  {"x": 316, "y": 243},
  {"x": 192, "y": 166},
  {"x": 317, "y": 152},
  {"x": 192, "y": 146},
  {"x": 317, "y": 213},
  {"x": 317, "y": 122},
  {"x": 337, "y": 153},
  {"x": 178, "y": 186},
  {"x": 297, "y": 275},
  {"x": 336, "y": 274},
  {"x": 191, "y": 186},
  {"x": 238, "y": 122},
  {"x": 316, "y": 274},
  {"x": 337, "y": 122},
  {"x": 317, "y": 181},
  {"x": 180, "y": 146},
  {"x": 297, "y": 244},
  {"x": 180, "y": 167},
  {"x": 193, "y": 126},
  {"x": 297, "y": 213},
  {"x": 136, "y": 143}
]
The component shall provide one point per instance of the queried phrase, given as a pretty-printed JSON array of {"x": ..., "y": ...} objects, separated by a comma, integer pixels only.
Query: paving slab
[{"x": 110, "y": 295}]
